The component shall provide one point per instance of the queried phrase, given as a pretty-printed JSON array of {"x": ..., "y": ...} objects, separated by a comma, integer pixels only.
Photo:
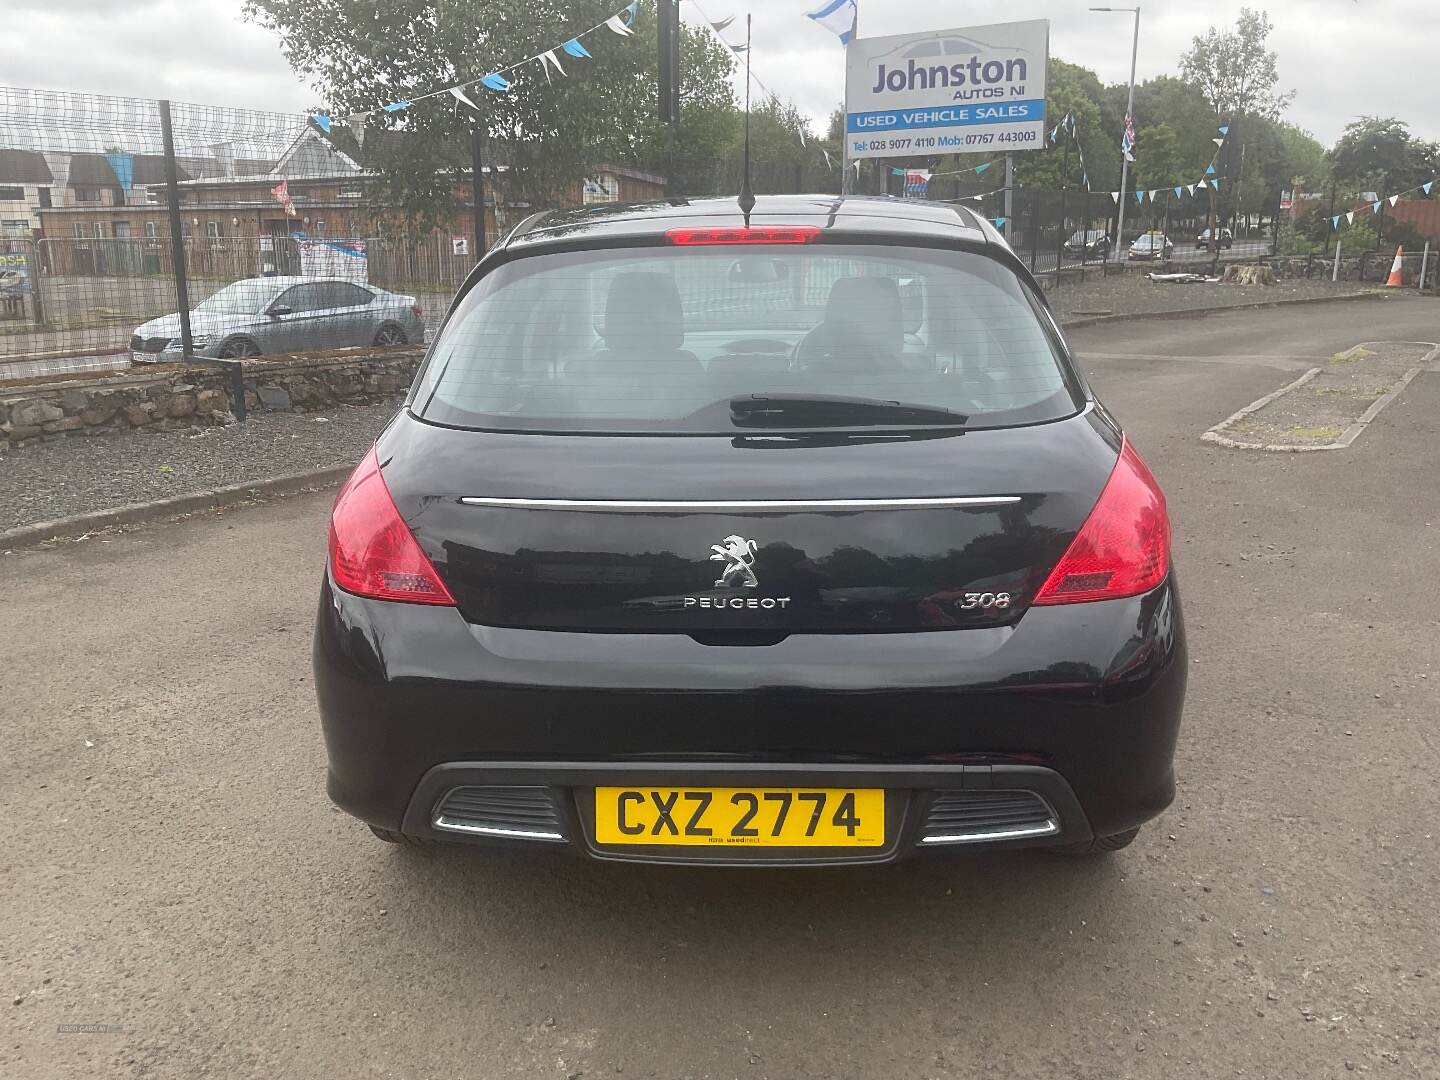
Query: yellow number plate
[{"x": 741, "y": 817}]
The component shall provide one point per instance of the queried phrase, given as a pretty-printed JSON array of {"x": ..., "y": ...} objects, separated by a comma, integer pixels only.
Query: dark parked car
[
  {"x": 1226, "y": 240},
  {"x": 1094, "y": 244},
  {"x": 792, "y": 538}
]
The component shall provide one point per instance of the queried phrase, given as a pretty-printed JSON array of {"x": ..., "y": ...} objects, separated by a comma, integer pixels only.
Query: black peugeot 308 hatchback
[{"x": 786, "y": 538}]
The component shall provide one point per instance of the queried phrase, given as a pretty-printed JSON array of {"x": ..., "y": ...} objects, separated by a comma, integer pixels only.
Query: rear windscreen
[{"x": 662, "y": 339}]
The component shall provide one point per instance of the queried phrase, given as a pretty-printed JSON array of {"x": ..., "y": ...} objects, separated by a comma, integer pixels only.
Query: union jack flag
[
  {"x": 1127, "y": 141},
  {"x": 917, "y": 182}
]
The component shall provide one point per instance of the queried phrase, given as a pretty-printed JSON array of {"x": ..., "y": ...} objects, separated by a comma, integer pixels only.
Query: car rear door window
[{"x": 663, "y": 339}]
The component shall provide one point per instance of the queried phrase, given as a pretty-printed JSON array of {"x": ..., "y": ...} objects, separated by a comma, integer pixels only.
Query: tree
[
  {"x": 549, "y": 132},
  {"x": 1381, "y": 155},
  {"x": 1235, "y": 70}
]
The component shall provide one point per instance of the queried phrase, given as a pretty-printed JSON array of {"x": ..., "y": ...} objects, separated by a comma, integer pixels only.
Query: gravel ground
[
  {"x": 1134, "y": 294},
  {"x": 83, "y": 474}
]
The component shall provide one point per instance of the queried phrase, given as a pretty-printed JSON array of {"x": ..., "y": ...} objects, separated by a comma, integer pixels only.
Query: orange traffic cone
[{"x": 1396, "y": 275}]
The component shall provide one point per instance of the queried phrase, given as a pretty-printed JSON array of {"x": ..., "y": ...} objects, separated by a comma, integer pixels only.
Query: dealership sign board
[{"x": 975, "y": 90}]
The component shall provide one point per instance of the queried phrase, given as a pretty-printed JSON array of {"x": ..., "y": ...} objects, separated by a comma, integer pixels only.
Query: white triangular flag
[
  {"x": 548, "y": 58},
  {"x": 1394, "y": 199},
  {"x": 1350, "y": 217},
  {"x": 1115, "y": 195},
  {"x": 1192, "y": 189},
  {"x": 459, "y": 94},
  {"x": 826, "y": 154},
  {"x": 616, "y": 23}
]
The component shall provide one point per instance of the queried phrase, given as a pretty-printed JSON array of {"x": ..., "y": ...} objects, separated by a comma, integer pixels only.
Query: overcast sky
[{"x": 1341, "y": 57}]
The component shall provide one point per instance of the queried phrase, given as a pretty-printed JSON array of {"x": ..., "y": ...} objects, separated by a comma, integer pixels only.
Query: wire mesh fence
[{"x": 261, "y": 231}]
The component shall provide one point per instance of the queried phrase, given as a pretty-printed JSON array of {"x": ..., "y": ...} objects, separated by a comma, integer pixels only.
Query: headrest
[
  {"x": 643, "y": 314},
  {"x": 864, "y": 314}
]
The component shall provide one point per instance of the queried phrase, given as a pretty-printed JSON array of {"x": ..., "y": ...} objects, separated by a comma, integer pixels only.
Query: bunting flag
[
  {"x": 1394, "y": 199},
  {"x": 1426, "y": 187},
  {"x": 622, "y": 23},
  {"x": 1192, "y": 188},
  {"x": 837, "y": 16},
  {"x": 719, "y": 25},
  {"x": 1376, "y": 207},
  {"x": 1116, "y": 196},
  {"x": 1140, "y": 198},
  {"x": 1127, "y": 140},
  {"x": 1210, "y": 169},
  {"x": 1153, "y": 194},
  {"x": 1000, "y": 222},
  {"x": 1215, "y": 184},
  {"x": 548, "y": 59},
  {"x": 1350, "y": 218},
  {"x": 981, "y": 168},
  {"x": 1178, "y": 191},
  {"x": 828, "y": 163},
  {"x": 1225, "y": 130},
  {"x": 1335, "y": 222}
]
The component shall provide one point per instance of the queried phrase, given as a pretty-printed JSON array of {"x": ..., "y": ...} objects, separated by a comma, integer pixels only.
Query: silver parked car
[{"x": 284, "y": 314}]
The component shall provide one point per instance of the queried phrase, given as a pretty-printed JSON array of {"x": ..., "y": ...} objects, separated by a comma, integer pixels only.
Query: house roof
[
  {"x": 24, "y": 167},
  {"x": 94, "y": 170}
]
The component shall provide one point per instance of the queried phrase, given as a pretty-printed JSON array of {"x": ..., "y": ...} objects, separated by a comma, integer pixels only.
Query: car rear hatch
[{"x": 713, "y": 536}]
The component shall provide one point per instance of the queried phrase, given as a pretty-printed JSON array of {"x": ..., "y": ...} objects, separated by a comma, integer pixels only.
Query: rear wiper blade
[{"x": 833, "y": 410}]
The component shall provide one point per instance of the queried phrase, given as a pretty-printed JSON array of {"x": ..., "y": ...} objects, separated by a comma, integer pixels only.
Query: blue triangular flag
[
  {"x": 574, "y": 48},
  {"x": 1376, "y": 208},
  {"x": 1426, "y": 187},
  {"x": 322, "y": 122},
  {"x": 981, "y": 168},
  {"x": 1140, "y": 197},
  {"x": 1210, "y": 170},
  {"x": 1225, "y": 130},
  {"x": 495, "y": 81},
  {"x": 1215, "y": 184},
  {"x": 1178, "y": 191},
  {"x": 631, "y": 8},
  {"x": 396, "y": 106},
  {"x": 1335, "y": 222}
]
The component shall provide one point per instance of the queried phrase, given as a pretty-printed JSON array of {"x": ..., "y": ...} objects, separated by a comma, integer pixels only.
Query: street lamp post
[{"x": 1129, "y": 111}]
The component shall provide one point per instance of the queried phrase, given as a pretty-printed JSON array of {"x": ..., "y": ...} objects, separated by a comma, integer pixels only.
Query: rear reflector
[
  {"x": 773, "y": 234},
  {"x": 372, "y": 551},
  {"x": 1123, "y": 549}
]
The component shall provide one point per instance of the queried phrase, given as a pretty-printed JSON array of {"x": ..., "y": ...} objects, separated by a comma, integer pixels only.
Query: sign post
[{"x": 977, "y": 90}]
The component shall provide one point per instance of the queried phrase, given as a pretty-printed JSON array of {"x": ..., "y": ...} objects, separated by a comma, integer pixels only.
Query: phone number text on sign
[{"x": 923, "y": 143}]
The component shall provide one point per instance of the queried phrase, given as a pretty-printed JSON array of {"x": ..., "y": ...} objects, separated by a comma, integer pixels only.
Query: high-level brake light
[{"x": 749, "y": 234}]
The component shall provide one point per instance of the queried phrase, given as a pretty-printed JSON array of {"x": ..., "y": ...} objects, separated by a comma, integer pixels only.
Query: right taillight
[
  {"x": 373, "y": 553},
  {"x": 1123, "y": 549}
]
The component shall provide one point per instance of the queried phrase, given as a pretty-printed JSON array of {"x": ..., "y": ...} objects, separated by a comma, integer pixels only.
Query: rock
[
  {"x": 208, "y": 401},
  {"x": 32, "y": 413},
  {"x": 18, "y": 434},
  {"x": 72, "y": 401},
  {"x": 100, "y": 409},
  {"x": 140, "y": 414},
  {"x": 181, "y": 405},
  {"x": 65, "y": 423},
  {"x": 223, "y": 417},
  {"x": 273, "y": 397}
]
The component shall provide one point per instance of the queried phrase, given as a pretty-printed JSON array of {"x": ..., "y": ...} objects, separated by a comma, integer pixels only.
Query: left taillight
[
  {"x": 417, "y": 311},
  {"x": 373, "y": 553}
]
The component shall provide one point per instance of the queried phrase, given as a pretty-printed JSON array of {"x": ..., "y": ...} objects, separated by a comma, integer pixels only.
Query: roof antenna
[{"x": 747, "y": 196}]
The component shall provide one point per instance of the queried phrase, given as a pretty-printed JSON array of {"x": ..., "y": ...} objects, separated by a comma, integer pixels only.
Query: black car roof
[{"x": 849, "y": 214}]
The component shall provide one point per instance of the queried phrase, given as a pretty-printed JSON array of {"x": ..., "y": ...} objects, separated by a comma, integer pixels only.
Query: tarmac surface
[{"x": 174, "y": 875}]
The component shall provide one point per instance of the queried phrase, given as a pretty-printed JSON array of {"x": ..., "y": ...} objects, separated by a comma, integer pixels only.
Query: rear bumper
[{"x": 1081, "y": 702}]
